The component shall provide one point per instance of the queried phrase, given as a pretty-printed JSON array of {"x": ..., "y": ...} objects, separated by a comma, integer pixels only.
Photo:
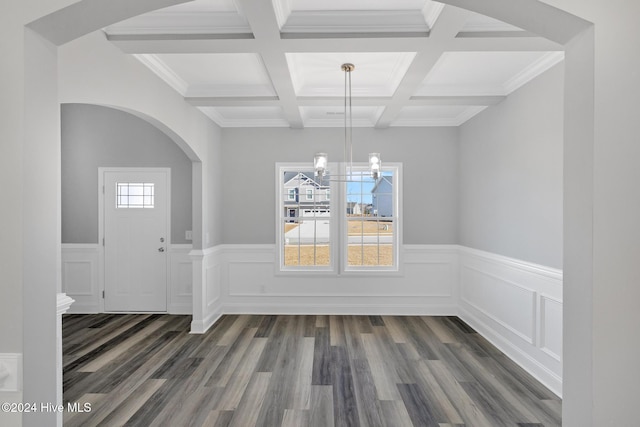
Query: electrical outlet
[{"x": 188, "y": 235}]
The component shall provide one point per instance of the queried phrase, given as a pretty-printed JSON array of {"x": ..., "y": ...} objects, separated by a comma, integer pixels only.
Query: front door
[{"x": 136, "y": 239}]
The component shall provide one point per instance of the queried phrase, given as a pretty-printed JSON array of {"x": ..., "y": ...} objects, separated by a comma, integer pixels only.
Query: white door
[{"x": 135, "y": 239}]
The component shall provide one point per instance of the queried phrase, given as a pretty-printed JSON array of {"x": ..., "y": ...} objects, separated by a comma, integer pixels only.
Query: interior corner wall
[
  {"x": 95, "y": 136},
  {"x": 511, "y": 174},
  {"x": 214, "y": 184},
  {"x": 429, "y": 158}
]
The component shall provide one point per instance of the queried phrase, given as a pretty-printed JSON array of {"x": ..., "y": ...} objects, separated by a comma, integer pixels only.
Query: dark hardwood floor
[{"x": 294, "y": 371}]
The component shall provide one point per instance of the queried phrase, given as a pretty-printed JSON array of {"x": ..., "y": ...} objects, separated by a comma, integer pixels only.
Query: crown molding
[
  {"x": 229, "y": 91},
  {"x": 431, "y": 12},
  {"x": 161, "y": 69},
  {"x": 458, "y": 120},
  {"x": 182, "y": 23},
  {"x": 538, "y": 67},
  {"x": 224, "y": 122},
  {"x": 282, "y": 9},
  {"x": 460, "y": 90}
]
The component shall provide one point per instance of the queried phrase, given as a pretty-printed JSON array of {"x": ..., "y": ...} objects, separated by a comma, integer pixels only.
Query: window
[
  {"x": 305, "y": 224},
  {"x": 370, "y": 219},
  {"x": 357, "y": 231},
  {"x": 134, "y": 195}
]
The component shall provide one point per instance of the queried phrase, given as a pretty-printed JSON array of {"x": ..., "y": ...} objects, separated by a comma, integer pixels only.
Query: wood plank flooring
[{"x": 295, "y": 371}]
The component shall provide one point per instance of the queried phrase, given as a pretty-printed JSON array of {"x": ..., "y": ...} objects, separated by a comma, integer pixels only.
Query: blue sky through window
[{"x": 360, "y": 186}]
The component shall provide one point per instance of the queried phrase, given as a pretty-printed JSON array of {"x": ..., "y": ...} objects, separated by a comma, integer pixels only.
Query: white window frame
[
  {"x": 308, "y": 194},
  {"x": 338, "y": 238},
  {"x": 291, "y": 194},
  {"x": 345, "y": 269},
  {"x": 331, "y": 269}
]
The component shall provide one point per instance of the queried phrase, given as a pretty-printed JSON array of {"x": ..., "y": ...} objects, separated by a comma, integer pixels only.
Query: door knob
[{"x": 160, "y": 249}]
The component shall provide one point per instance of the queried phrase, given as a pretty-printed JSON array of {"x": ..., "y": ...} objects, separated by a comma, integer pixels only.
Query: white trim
[
  {"x": 10, "y": 372},
  {"x": 533, "y": 366},
  {"x": 538, "y": 67},
  {"x": 550, "y": 272},
  {"x": 162, "y": 70},
  {"x": 397, "y": 268},
  {"x": 390, "y": 309},
  {"x": 174, "y": 22},
  {"x": 63, "y": 303},
  {"x": 511, "y": 299},
  {"x": 431, "y": 12}
]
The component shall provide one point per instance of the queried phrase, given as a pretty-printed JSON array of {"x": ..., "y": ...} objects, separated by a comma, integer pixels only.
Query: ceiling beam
[
  {"x": 240, "y": 101},
  {"x": 184, "y": 43},
  {"x": 449, "y": 23},
  {"x": 264, "y": 24}
]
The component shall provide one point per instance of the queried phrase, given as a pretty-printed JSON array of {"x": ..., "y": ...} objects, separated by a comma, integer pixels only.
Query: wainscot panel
[
  {"x": 80, "y": 276},
  {"x": 426, "y": 285},
  {"x": 518, "y": 307},
  {"x": 207, "y": 280},
  {"x": 181, "y": 280}
]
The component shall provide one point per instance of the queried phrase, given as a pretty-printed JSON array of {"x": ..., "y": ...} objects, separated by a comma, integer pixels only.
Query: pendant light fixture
[{"x": 321, "y": 160}]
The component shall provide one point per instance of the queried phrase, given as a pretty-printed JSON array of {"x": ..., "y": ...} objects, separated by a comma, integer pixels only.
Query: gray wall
[
  {"x": 429, "y": 157},
  {"x": 95, "y": 136},
  {"x": 511, "y": 169}
]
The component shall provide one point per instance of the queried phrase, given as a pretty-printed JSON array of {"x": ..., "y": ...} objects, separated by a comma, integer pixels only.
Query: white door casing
[{"x": 135, "y": 238}]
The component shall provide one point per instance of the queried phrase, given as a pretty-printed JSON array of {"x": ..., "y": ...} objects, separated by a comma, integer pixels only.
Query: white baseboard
[
  {"x": 524, "y": 359},
  {"x": 201, "y": 326},
  {"x": 337, "y": 308},
  {"x": 517, "y": 306}
]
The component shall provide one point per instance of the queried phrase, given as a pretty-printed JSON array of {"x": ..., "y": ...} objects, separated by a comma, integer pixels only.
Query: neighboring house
[
  {"x": 354, "y": 208},
  {"x": 305, "y": 195},
  {"x": 382, "y": 197}
]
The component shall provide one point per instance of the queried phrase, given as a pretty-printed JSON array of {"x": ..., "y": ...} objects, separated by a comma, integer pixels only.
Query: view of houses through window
[
  {"x": 307, "y": 218},
  {"x": 370, "y": 219},
  {"x": 309, "y": 222}
]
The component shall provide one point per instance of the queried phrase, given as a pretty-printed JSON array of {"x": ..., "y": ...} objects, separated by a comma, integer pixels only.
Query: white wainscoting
[
  {"x": 514, "y": 304},
  {"x": 252, "y": 284},
  {"x": 207, "y": 298},
  {"x": 82, "y": 278},
  {"x": 180, "y": 280},
  {"x": 518, "y": 307}
]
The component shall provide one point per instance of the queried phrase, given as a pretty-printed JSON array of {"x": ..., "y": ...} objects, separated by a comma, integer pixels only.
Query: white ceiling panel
[
  {"x": 221, "y": 74},
  {"x": 334, "y": 116},
  {"x": 485, "y": 73},
  {"x": 353, "y": 16},
  {"x": 375, "y": 74}
]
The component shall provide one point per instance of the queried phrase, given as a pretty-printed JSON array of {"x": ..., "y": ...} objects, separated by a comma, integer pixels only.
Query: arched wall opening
[
  {"x": 42, "y": 383},
  {"x": 98, "y": 136}
]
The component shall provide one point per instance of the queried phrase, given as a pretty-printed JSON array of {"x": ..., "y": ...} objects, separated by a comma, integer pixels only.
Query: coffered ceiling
[{"x": 277, "y": 62}]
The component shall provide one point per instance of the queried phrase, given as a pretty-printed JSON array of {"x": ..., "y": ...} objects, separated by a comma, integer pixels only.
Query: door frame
[{"x": 101, "y": 234}]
